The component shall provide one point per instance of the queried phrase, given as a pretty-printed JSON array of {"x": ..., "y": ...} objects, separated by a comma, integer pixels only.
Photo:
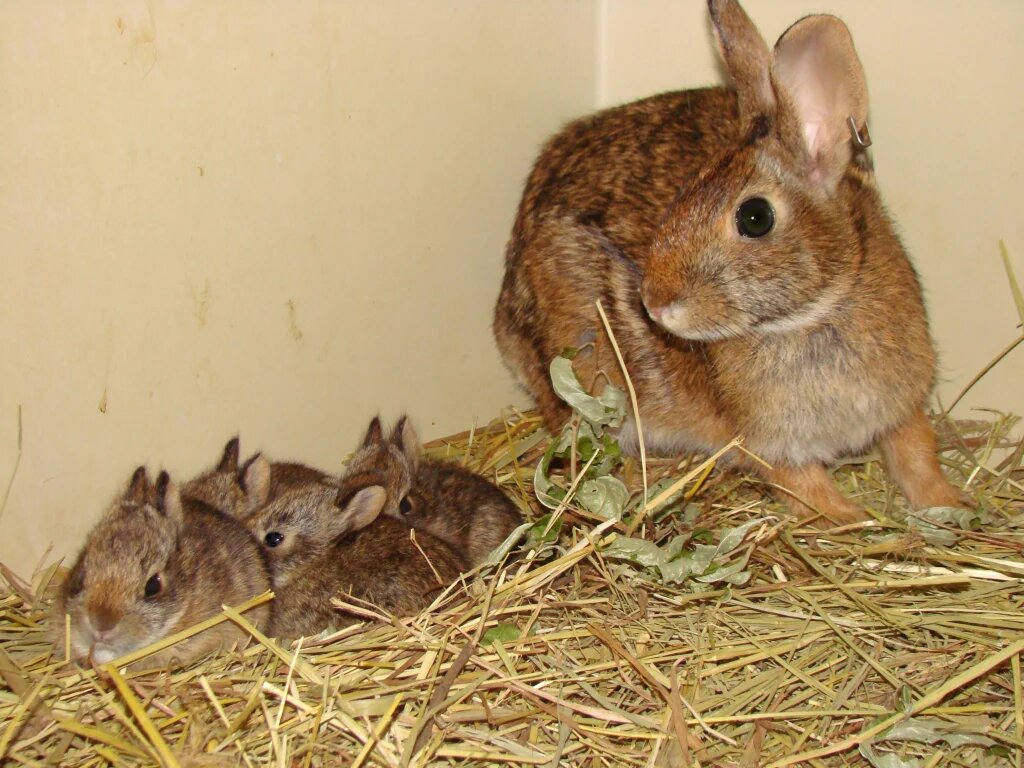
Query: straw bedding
[{"x": 896, "y": 643}]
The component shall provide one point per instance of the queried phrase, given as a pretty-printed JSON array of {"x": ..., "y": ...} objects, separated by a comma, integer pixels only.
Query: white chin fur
[
  {"x": 709, "y": 334},
  {"x": 103, "y": 654},
  {"x": 811, "y": 314}
]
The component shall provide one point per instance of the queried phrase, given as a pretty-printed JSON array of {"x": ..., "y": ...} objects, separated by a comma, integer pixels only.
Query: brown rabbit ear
[
  {"x": 254, "y": 477},
  {"x": 229, "y": 459},
  {"x": 746, "y": 57},
  {"x": 818, "y": 70},
  {"x": 359, "y": 510},
  {"x": 374, "y": 433},
  {"x": 168, "y": 498},
  {"x": 138, "y": 487},
  {"x": 404, "y": 436}
]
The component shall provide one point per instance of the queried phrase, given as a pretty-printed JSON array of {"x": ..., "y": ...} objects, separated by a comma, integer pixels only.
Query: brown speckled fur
[
  {"x": 811, "y": 342},
  {"x": 336, "y": 543},
  {"x": 463, "y": 509},
  {"x": 204, "y": 559},
  {"x": 239, "y": 490}
]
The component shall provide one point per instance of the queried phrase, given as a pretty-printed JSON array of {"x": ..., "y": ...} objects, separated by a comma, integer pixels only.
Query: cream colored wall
[
  {"x": 274, "y": 218},
  {"x": 947, "y": 107},
  {"x": 280, "y": 218}
]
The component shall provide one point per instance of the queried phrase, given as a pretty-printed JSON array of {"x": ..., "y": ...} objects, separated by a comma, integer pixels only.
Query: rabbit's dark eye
[
  {"x": 755, "y": 217},
  {"x": 405, "y": 505},
  {"x": 154, "y": 585},
  {"x": 273, "y": 538}
]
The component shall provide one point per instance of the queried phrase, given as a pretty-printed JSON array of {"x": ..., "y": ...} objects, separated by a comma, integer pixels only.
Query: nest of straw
[{"x": 871, "y": 645}]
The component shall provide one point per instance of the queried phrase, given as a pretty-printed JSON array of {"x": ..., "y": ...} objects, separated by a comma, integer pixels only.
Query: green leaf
[
  {"x": 605, "y": 497},
  {"x": 703, "y": 556},
  {"x": 675, "y": 547},
  {"x": 501, "y": 551},
  {"x": 931, "y": 730},
  {"x": 585, "y": 447},
  {"x": 924, "y": 730},
  {"x": 606, "y": 410},
  {"x": 677, "y": 570},
  {"x": 535, "y": 536},
  {"x": 704, "y": 564},
  {"x": 611, "y": 446},
  {"x": 703, "y": 535},
  {"x": 961, "y": 517},
  {"x": 548, "y": 493},
  {"x": 924, "y": 520},
  {"x": 640, "y": 551},
  {"x": 731, "y": 574},
  {"x": 733, "y": 537},
  {"x": 502, "y": 633},
  {"x": 614, "y": 401}
]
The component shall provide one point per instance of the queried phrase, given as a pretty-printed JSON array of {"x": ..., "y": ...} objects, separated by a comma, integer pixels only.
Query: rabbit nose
[
  {"x": 104, "y": 619},
  {"x": 670, "y": 316}
]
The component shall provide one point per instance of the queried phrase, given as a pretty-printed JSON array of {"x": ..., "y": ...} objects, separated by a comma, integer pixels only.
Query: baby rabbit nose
[{"x": 104, "y": 619}]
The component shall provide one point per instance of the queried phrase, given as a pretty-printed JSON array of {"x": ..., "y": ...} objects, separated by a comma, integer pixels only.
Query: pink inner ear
[
  {"x": 817, "y": 66},
  {"x": 816, "y": 135}
]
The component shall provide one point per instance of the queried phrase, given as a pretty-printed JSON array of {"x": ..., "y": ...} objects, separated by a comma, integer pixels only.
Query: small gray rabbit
[{"x": 154, "y": 564}]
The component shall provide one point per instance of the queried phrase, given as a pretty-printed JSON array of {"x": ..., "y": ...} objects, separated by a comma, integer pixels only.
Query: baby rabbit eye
[
  {"x": 405, "y": 505},
  {"x": 154, "y": 585},
  {"x": 755, "y": 217},
  {"x": 273, "y": 538}
]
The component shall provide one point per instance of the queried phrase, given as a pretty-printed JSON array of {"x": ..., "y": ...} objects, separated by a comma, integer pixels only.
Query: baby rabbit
[
  {"x": 240, "y": 490},
  {"x": 323, "y": 543},
  {"x": 752, "y": 277},
  {"x": 153, "y": 565},
  {"x": 460, "y": 507}
]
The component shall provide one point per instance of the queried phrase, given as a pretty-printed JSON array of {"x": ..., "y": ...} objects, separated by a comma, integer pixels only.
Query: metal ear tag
[{"x": 860, "y": 138}]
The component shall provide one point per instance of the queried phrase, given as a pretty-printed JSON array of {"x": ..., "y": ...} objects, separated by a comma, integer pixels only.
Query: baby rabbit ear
[
  {"x": 746, "y": 56},
  {"x": 404, "y": 436},
  {"x": 817, "y": 68},
  {"x": 359, "y": 510},
  {"x": 374, "y": 433},
  {"x": 168, "y": 498},
  {"x": 229, "y": 459},
  {"x": 138, "y": 487},
  {"x": 254, "y": 477}
]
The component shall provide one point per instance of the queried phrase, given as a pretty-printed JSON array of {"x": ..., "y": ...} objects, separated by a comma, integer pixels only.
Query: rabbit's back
[
  {"x": 382, "y": 565},
  {"x": 463, "y": 509},
  {"x": 378, "y": 564},
  {"x": 617, "y": 171}
]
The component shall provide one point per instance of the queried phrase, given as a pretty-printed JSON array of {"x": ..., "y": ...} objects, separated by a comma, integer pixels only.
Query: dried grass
[{"x": 565, "y": 657}]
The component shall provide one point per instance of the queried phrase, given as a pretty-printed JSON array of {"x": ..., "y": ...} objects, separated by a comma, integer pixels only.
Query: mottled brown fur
[
  {"x": 811, "y": 342},
  {"x": 378, "y": 564},
  {"x": 463, "y": 509},
  {"x": 328, "y": 544},
  {"x": 204, "y": 559},
  {"x": 239, "y": 490}
]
